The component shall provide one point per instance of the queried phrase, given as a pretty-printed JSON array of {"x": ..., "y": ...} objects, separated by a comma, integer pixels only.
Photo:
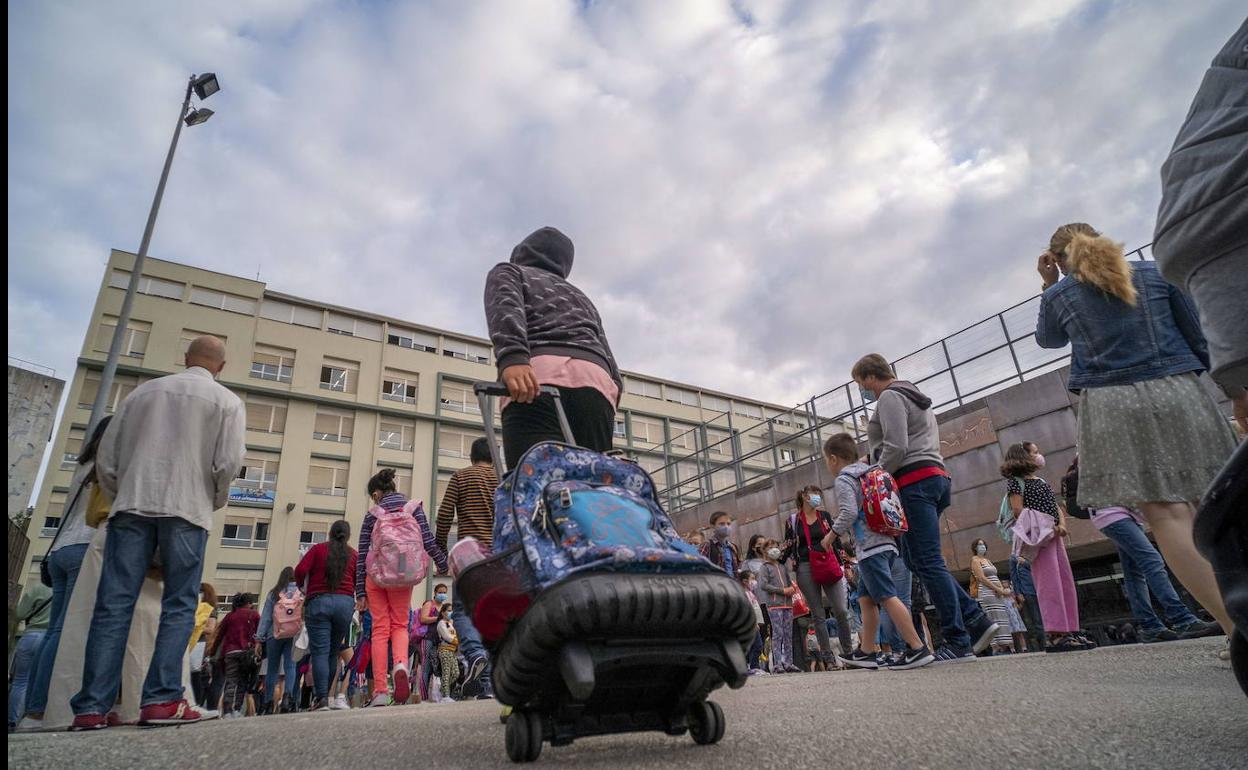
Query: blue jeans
[
  {"x": 328, "y": 618},
  {"x": 469, "y": 639},
  {"x": 756, "y": 649},
  {"x": 23, "y": 663},
  {"x": 128, "y": 551},
  {"x": 64, "y": 564},
  {"x": 1020, "y": 577},
  {"x": 1143, "y": 570},
  {"x": 280, "y": 654},
  {"x": 920, "y": 547},
  {"x": 902, "y": 583}
]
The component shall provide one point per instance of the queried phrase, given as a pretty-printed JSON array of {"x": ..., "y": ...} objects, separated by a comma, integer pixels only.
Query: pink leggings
[
  {"x": 389, "y": 608},
  {"x": 1055, "y": 588}
]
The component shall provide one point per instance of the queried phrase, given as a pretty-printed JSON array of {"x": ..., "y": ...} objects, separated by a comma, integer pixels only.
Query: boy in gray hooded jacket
[{"x": 876, "y": 554}]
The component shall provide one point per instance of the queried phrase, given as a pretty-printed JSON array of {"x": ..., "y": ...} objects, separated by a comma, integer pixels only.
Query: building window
[
  {"x": 133, "y": 342},
  {"x": 714, "y": 403},
  {"x": 619, "y": 431},
  {"x": 399, "y": 386},
  {"x": 257, "y": 479},
  {"x": 682, "y": 396},
  {"x": 272, "y": 363},
  {"x": 266, "y": 416},
  {"x": 222, "y": 301},
  {"x": 333, "y": 425},
  {"x": 327, "y": 477},
  {"x": 647, "y": 431},
  {"x": 458, "y": 398},
  {"x": 787, "y": 456},
  {"x": 237, "y": 533},
  {"x": 189, "y": 336},
  {"x": 396, "y": 435},
  {"x": 340, "y": 376},
  {"x": 753, "y": 411},
  {"x": 466, "y": 351},
  {"x": 156, "y": 287},
  {"x": 50, "y": 524},
  {"x": 414, "y": 340},
  {"x": 683, "y": 436},
  {"x": 643, "y": 388},
  {"x": 718, "y": 442},
  {"x": 349, "y": 326},
  {"x": 122, "y": 387},
  {"x": 456, "y": 443},
  {"x": 310, "y": 537},
  {"x": 73, "y": 447},
  {"x": 402, "y": 480},
  {"x": 299, "y": 315}
]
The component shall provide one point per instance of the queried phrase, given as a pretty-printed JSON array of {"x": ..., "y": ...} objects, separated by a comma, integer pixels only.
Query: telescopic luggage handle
[{"x": 486, "y": 391}]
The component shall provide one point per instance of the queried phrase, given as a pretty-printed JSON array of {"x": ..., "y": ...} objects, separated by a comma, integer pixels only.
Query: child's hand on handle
[
  {"x": 361, "y": 604},
  {"x": 521, "y": 383}
]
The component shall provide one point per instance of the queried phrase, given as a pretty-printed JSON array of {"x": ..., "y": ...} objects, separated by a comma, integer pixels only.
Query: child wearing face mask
[
  {"x": 719, "y": 548},
  {"x": 448, "y": 644},
  {"x": 749, "y": 582},
  {"x": 778, "y": 586}
]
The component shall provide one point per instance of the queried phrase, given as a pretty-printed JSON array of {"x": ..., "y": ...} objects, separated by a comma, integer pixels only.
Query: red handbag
[
  {"x": 800, "y": 608},
  {"x": 824, "y": 568}
]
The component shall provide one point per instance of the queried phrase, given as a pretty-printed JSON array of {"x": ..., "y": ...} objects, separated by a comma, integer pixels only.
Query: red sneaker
[
  {"x": 89, "y": 722},
  {"x": 402, "y": 685},
  {"x": 178, "y": 712},
  {"x": 114, "y": 720}
]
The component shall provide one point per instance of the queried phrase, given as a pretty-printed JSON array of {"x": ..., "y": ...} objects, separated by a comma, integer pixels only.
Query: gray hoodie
[
  {"x": 903, "y": 433},
  {"x": 849, "y": 518}
]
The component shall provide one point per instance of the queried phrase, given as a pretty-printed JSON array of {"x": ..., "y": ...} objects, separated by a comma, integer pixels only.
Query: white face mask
[
  {"x": 981, "y": 549},
  {"x": 773, "y": 553},
  {"x": 753, "y": 584}
]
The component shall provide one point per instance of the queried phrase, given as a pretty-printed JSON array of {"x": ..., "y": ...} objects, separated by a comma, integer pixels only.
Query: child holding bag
[{"x": 779, "y": 588}]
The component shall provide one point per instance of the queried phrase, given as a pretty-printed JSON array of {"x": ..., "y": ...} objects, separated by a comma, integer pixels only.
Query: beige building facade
[{"x": 335, "y": 394}]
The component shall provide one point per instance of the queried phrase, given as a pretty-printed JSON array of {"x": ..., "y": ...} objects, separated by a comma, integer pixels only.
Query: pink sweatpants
[
  {"x": 389, "y": 608},
  {"x": 1055, "y": 588}
]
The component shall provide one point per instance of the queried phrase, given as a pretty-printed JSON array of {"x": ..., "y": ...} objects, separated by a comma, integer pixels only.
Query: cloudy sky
[{"x": 759, "y": 191}]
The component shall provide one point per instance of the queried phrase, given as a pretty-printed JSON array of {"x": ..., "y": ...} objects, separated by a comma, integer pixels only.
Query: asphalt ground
[{"x": 1172, "y": 705}]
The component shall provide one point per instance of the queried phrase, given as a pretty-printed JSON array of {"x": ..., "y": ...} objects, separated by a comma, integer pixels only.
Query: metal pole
[{"x": 123, "y": 318}]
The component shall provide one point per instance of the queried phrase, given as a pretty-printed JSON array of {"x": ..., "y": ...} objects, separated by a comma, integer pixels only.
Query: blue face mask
[
  {"x": 816, "y": 501},
  {"x": 440, "y": 598},
  {"x": 867, "y": 396}
]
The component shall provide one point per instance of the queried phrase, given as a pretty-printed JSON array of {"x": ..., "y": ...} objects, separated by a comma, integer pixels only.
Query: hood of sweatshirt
[
  {"x": 546, "y": 249},
  {"x": 855, "y": 470},
  {"x": 912, "y": 392}
]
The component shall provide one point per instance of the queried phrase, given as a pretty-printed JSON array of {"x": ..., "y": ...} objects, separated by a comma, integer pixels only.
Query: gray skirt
[{"x": 1155, "y": 441}]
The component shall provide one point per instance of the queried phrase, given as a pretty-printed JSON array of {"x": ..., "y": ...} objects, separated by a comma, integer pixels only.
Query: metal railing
[
  {"x": 22, "y": 363},
  {"x": 983, "y": 358}
]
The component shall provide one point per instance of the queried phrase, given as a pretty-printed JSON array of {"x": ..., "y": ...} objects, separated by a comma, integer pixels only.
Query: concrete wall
[{"x": 33, "y": 400}]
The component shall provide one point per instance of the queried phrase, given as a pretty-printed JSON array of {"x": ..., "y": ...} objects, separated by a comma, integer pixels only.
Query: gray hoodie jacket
[{"x": 903, "y": 431}]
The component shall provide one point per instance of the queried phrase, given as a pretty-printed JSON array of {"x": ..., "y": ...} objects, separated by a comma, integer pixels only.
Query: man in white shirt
[{"x": 167, "y": 460}]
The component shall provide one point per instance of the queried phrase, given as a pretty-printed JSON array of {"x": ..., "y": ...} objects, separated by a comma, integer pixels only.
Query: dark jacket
[
  {"x": 532, "y": 310},
  {"x": 1113, "y": 343},
  {"x": 713, "y": 551}
]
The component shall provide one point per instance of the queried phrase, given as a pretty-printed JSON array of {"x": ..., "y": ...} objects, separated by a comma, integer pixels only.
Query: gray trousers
[{"x": 817, "y": 597}]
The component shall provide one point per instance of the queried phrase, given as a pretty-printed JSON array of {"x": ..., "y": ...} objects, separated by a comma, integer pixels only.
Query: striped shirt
[
  {"x": 470, "y": 497},
  {"x": 395, "y": 502}
]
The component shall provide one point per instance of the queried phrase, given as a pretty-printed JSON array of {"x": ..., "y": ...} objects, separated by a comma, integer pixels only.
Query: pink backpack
[
  {"x": 287, "y": 615},
  {"x": 396, "y": 554}
]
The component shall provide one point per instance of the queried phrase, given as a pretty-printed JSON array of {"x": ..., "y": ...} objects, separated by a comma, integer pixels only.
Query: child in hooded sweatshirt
[
  {"x": 547, "y": 332},
  {"x": 876, "y": 553}
]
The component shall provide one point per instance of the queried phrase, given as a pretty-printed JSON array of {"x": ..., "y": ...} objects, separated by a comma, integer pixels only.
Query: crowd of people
[{"x": 130, "y": 626}]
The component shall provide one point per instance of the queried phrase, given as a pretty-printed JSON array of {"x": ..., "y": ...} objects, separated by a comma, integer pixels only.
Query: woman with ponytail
[
  {"x": 1150, "y": 435},
  {"x": 390, "y": 606},
  {"x": 327, "y": 572}
]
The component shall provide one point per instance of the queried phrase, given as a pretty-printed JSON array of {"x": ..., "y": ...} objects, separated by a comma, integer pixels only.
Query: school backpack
[
  {"x": 881, "y": 504},
  {"x": 396, "y": 553},
  {"x": 565, "y": 510},
  {"x": 287, "y": 615}
]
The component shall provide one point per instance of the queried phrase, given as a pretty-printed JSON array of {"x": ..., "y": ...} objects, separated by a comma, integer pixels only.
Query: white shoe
[
  {"x": 380, "y": 699},
  {"x": 340, "y": 703},
  {"x": 29, "y": 725}
]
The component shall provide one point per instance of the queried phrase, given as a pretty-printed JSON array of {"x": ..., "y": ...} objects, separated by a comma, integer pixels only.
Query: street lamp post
[{"x": 203, "y": 86}]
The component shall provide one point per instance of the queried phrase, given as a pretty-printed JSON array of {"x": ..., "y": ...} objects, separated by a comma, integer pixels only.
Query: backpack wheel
[
  {"x": 524, "y": 736},
  {"x": 706, "y": 723}
]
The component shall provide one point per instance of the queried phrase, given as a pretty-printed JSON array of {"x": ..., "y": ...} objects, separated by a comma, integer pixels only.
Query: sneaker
[
  {"x": 380, "y": 699},
  {"x": 1225, "y": 652},
  {"x": 472, "y": 674},
  {"x": 947, "y": 654},
  {"x": 206, "y": 713},
  {"x": 340, "y": 703},
  {"x": 177, "y": 712},
  {"x": 904, "y": 661},
  {"x": 860, "y": 659},
  {"x": 402, "y": 684},
  {"x": 319, "y": 704},
  {"x": 1198, "y": 630},
  {"x": 29, "y": 725},
  {"x": 1162, "y": 635},
  {"x": 84, "y": 722},
  {"x": 982, "y": 631}
]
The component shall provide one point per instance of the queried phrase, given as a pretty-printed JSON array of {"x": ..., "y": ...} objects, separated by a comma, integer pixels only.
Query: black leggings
[{"x": 590, "y": 414}]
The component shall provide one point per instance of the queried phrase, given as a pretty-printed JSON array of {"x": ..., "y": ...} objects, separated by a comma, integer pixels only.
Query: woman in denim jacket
[{"x": 1150, "y": 435}]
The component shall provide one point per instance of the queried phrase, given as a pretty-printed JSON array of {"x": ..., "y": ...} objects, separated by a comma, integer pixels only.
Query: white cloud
[{"x": 754, "y": 205}]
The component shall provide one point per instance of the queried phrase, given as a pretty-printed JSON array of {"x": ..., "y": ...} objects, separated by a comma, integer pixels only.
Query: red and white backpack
[{"x": 881, "y": 504}]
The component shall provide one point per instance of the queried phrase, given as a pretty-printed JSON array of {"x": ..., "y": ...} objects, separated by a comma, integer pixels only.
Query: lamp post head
[
  {"x": 206, "y": 85},
  {"x": 197, "y": 116}
]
